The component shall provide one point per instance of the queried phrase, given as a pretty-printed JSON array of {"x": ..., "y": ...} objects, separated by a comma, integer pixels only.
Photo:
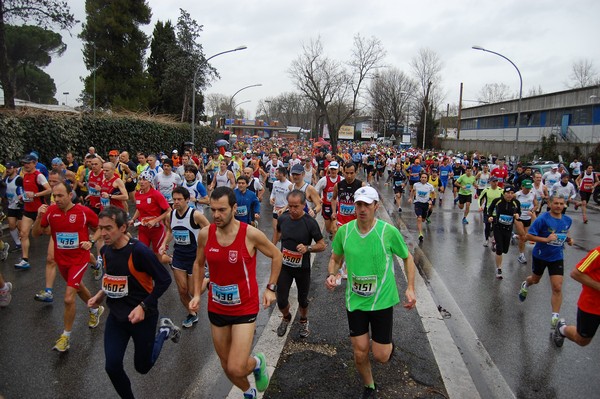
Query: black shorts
[
  {"x": 502, "y": 237},
  {"x": 421, "y": 209},
  {"x": 587, "y": 323},
  {"x": 14, "y": 213},
  {"x": 130, "y": 186},
  {"x": 555, "y": 268},
  {"x": 381, "y": 322},
  {"x": 462, "y": 198},
  {"x": 585, "y": 196},
  {"x": 526, "y": 223},
  {"x": 326, "y": 212},
  {"x": 222, "y": 320},
  {"x": 30, "y": 215},
  {"x": 398, "y": 190}
]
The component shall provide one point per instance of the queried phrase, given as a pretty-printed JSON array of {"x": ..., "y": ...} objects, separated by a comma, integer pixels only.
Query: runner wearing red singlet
[
  {"x": 587, "y": 183},
  {"x": 325, "y": 186},
  {"x": 35, "y": 187},
  {"x": 229, "y": 249},
  {"x": 151, "y": 209},
  {"x": 112, "y": 189},
  {"x": 95, "y": 184},
  {"x": 69, "y": 226}
]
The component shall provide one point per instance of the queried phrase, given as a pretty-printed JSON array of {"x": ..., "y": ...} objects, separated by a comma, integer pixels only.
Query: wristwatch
[{"x": 272, "y": 287}]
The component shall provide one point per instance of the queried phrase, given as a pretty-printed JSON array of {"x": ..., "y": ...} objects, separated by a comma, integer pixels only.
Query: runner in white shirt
[
  {"x": 565, "y": 189},
  {"x": 166, "y": 181},
  {"x": 279, "y": 192},
  {"x": 527, "y": 197},
  {"x": 420, "y": 194},
  {"x": 541, "y": 192}
]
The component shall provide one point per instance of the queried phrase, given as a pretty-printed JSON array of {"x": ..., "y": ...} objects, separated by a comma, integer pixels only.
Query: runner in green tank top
[{"x": 368, "y": 246}]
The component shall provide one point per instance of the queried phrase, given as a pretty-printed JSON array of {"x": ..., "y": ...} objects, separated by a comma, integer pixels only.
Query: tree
[
  {"x": 390, "y": 94},
  {"x": 427, "y": 67},
  {"x": 583, "y": 74},
  {"x": 493, "y": 93},
  {"x": 175, "y": 55},
  {"x": 30, "y": 48},
  {"x": 333, "y": 87},
  {"x": 115, "y": 47},
  {"x": 44, "y": 13}
]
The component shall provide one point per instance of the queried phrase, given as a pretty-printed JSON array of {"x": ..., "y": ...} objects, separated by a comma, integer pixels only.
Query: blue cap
[{"x": 57, "y": 161}]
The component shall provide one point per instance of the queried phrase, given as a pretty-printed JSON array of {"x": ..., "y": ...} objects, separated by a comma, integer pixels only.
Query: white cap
[
  {"x": 174, "y": 151},
  {"x": 366, "y": 194},
  {"x": 227, "y": 154},
  {"x": 333, "y": 165}
]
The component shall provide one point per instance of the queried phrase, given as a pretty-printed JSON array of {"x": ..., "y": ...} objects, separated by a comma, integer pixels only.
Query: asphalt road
[{"x": 515, "y": 335}]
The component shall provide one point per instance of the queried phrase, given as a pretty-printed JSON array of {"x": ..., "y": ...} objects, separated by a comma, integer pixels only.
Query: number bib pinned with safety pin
[
  {"x": 364, "y": 286},
  {"x": 115, "y": 286},
  {"x": 227, "y": 295}
]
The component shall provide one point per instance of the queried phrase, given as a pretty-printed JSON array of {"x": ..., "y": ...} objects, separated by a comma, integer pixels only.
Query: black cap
[
  {"x": 297, "y": 169},
  {"x": 509, "y": 189},
  {"x": 28, "y": 158}
]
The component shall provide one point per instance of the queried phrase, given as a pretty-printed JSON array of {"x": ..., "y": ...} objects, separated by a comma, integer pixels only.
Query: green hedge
[{"x": 53, "y": 135}]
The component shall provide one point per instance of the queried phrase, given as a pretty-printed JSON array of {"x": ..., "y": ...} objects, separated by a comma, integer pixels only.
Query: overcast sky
[{"x": 543, "y": 38}]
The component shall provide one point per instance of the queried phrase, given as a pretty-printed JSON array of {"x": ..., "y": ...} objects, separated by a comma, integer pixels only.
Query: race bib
[
  {"x": 291, "y": 258},
  {"x": 228, "y": 295},
  {"x": 364, "y": 285},
  {"x": 347, "y": 209},
  {"x": 242, "y": 210},
  {"x": 67, "y": 240},
  {"x": 168, "y": 196},
  {"x": 398, "y": 183},
  {"x": 505, "y": 219},
  {"x": 560, "y": 240},
  {"x": 422, "y": 194},
  {"x": 329, "y": 196},
  {"x": 526, "y": 206},
  {"x": 467, "y": 186},
  {"x": 444, "y": 173},
  {"x": 181, "y": 237},
  {"x": 115, "y": 286},
  {"x": 93, "y": 191},
  {"x": 104, "y": 202},
  {"x": 482, "y": 182},
  {"x": 587, "y": 186}
]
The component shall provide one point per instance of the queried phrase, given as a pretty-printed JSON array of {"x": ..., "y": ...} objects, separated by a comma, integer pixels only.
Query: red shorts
[
  {"x": 72, "y": 274},
  {"x": 154, "y": 235}
]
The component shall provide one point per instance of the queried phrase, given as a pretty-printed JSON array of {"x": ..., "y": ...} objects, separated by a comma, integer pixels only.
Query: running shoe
[
  {"x": 304, "y": 331},
  {"x": 513, "y": 239},
  {"x": 486, "y": 243},
  {"x": 465, "y": 221},
  {"x": 173, "y": 332},
  {"x": 5, "y": 295},
  {"x": 522, "y": 259},
  {"x": 523, "y": 291},
  {"x": 421, "y": 237},
  {"x": 557, "y": 336},
  {"x": 283, "y": 326},
  {"x": 400, "y": 211},
  {"x": 499, "y": 274},
  {"x": 251, "y": 395},
  {"x": 190, "y": 320},
  {"x": 97, "y": 273},
  {"x": 455, "y": 200},
  {"x": 370, "y": 393},
  {"x": 4, "y": 252},
  {"x": 94, "y": 318},
  {"x": 44, "y": 296},
  {"x": 62, "y": 344},
  {"x": 261, "y": 375},
  {"x": 427, "y": 220},
  {"x": 576, "y": 206},
  {"x": 17, "y": 248},
  {"x": 585, "y": 221},
  {"x": 554, "y": 319},
  {"x": 22, "y": 265}
]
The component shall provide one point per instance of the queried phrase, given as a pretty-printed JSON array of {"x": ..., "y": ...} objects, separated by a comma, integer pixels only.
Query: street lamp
[
  {"x": 384, "y": 118},
  {"x": 243, "y": 88},
  {"x": 593, "y": 98},
  {"x": 237, "y": 105},
  {"x": 196, "y": 76},
  {"x": 520, "y": 93},
  {"x": 66, "y": 93}
]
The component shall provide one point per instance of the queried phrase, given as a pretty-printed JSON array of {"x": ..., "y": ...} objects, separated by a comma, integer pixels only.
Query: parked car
[{"x": 542, "y": 167}]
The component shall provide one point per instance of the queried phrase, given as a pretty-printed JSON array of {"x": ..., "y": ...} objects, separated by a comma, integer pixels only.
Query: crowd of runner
[{"x": 197, "y": 212}]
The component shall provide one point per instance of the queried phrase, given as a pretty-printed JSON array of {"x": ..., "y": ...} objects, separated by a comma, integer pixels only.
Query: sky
[{"x": 542, "y": 37}]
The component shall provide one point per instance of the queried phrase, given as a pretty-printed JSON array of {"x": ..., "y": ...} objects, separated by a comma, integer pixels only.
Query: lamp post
[
  {"x": 237, "y": 105},
  {"x": 196, "y": 76},
  {"x": 243, "y": 88},
  {"x": 520, "y": 94},
  {"x": 593, "y": 98},
  {"x": 384, "y": 118},
  {"x": 66, "y": 93}
]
